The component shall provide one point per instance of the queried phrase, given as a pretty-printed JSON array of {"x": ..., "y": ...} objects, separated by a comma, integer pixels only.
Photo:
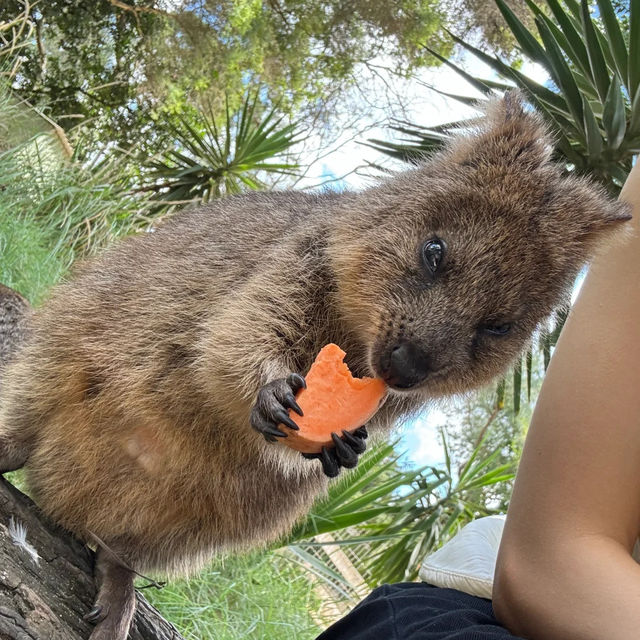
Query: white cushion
[{"x": 468, "y": 561}]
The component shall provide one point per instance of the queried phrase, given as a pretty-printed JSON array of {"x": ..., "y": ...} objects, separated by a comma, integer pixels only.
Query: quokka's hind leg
[
  {"x": 116, "y": 602},
  {"x": 14, "y": 452}
]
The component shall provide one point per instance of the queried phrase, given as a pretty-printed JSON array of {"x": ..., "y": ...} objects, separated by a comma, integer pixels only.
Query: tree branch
[
  {"x": 138, "y": 10},
  {"x": 48, "y": 597}
]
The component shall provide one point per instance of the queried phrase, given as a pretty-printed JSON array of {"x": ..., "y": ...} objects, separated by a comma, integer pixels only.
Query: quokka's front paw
[
  {"x": 344, "y": 453},
  {"x": 272, "y": 405}
]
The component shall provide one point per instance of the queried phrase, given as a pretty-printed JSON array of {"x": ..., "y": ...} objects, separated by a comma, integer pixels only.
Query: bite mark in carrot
[{"x": 332, "y": 402}]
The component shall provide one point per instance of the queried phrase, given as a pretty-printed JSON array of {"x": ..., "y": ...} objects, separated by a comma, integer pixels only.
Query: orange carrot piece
[{"x": 332, "y": 402}]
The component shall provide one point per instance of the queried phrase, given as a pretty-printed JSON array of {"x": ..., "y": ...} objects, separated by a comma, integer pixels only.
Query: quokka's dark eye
[
  {"x": 433, "y": 251},
  {"x": 497, "y": 329}
]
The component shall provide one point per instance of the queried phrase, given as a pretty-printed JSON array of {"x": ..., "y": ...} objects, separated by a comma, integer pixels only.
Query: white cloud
[{"x": 421, "y": 439}]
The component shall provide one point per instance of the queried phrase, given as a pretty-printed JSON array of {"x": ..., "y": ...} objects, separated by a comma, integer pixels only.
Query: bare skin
[{"x": 565, "y": 569}]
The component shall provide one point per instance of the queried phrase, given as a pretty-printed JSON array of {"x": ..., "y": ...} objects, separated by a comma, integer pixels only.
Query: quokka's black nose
[{"x": 405, "y": 366}]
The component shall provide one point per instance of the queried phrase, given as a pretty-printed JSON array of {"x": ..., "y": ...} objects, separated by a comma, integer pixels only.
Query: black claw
[
  {"x": 282, "y": 416},
  {"x": 361, "y": 432},
  {"x": 347, "y": 457},
  {"x": 272, "y": 404},
  {"x": 296, "y": 382},
  {"x": 266, "y": 427},
  {"x": 357, "y": 444},
  {"x": 330, "y": 464},
  {"x": 93, "y": 615},
  {"x": 290, "y": 401},
  {"x": 276, "y": 433}
]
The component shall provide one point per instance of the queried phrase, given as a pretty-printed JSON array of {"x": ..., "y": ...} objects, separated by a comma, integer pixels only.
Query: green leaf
[
  {"x": 614, "y": 37},
  {"x": 594, "y": 138},
  {"x": 494, "y": 84},
  {"x": 335, "y": 579},
  {"x": 466, "y": 100},
  {"x": 517, "y": 385},
  {"x": 477, "y": 84},
  {"x": 337, "y": 522},
  {"x": 614, "y": 117},
  {"x": 599, "y": 71},
  {"x": 574, "y": 7},
  {"x": 574, "y": 38},
  {"x": 561, "y": 72},
  {"x": 568, "y": 49},
  {"x": 385, "y": 489},
  {"x": 604, "y": 45},
  {"x": 354, "y": 540},
  {"x": 634, "y": 47},
  {"x": 411, "y": 153},
  {"x": 471, "y": 470},
  {"x": 586, "y": 85},
  {"x": 634, "y": 123},
  {"x": 530, "y": 46},
  {"x": 447, "y": 455},
  {"x": 500, "y": 475}
]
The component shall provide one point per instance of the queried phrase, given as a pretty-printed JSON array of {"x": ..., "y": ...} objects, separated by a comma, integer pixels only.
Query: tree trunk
[{"x": 46, "y": 600}]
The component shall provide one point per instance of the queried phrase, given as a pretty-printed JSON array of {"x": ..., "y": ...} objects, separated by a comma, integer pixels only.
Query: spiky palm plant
[
  {"x": 592, "y": 99},
  {"x": 393, "y": 515},
  {"x": 209, "y": 160}
]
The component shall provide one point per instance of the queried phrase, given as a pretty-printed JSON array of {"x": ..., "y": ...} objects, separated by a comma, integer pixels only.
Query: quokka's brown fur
[{"x": 130, "y": 402}]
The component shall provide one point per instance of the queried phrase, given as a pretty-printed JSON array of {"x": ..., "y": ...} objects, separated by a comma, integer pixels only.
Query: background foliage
[
  {"x": 396, "y": 515},
  {"x": 592, "y": 99},
  {"x": 253, "y": 596},
  {"x": 129, "y": 67}
]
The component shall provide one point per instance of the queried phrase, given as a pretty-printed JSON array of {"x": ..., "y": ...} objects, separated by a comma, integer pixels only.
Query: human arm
[{"x": 565, "y": 570}]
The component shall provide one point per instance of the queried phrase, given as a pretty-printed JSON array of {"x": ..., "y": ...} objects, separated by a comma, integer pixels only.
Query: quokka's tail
[{"x": 14, "y": 311}]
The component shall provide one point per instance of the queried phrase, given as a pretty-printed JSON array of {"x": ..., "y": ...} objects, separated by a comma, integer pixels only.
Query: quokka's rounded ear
[
  {"x": 510, "y": 134},
  {"x": 614, "y": 213},
  {"x": 581, "y": 212}
]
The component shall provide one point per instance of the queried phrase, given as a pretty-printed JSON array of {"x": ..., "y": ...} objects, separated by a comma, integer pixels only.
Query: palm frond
[
  {"x": 389, "y": 517},
  {"x": 209, "y": 160},
  {"x": 592, "y": 101}
]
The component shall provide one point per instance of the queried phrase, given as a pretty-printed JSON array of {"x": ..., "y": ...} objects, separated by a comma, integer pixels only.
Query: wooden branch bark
[
  {"x": 46, "y": 600},
  {"x": 136, "y": 10}
]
